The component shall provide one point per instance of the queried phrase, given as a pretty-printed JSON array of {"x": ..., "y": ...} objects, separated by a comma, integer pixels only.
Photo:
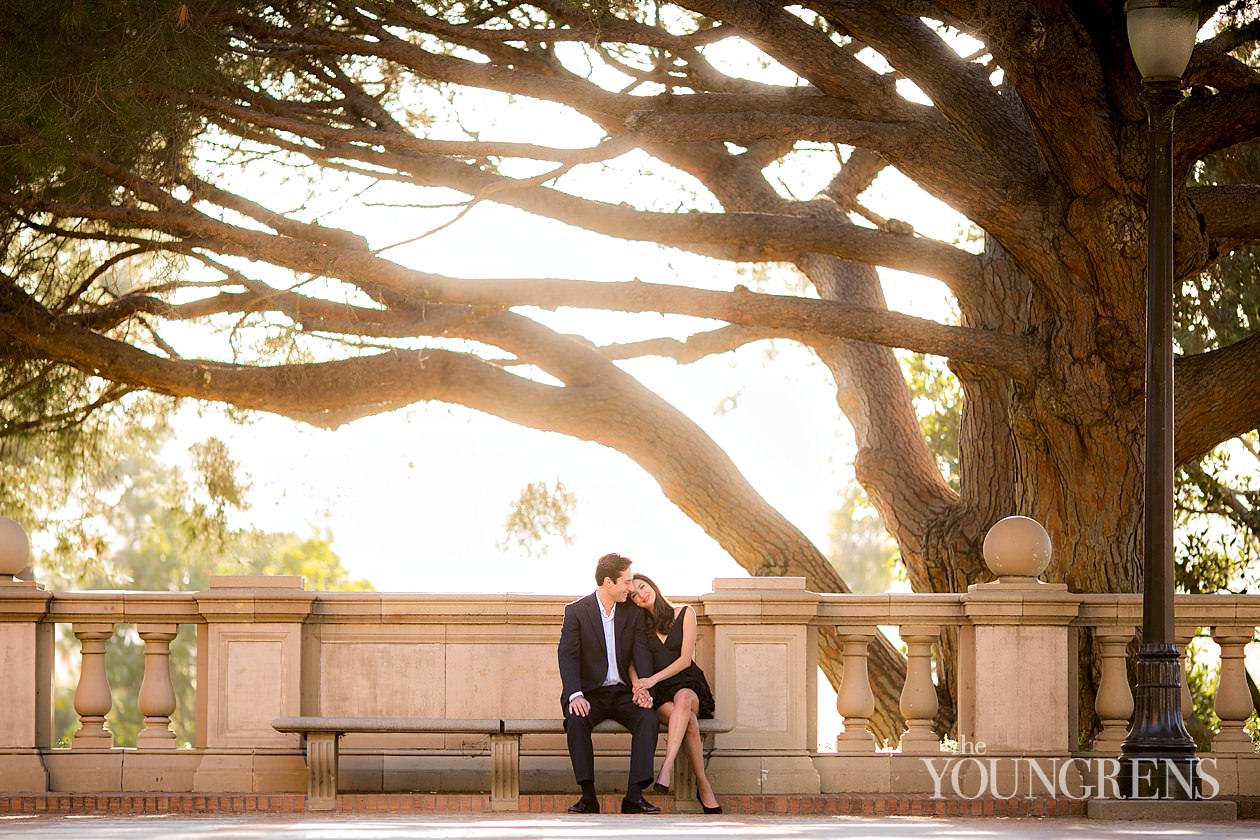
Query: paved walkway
[{"x": 441, "y": 827}]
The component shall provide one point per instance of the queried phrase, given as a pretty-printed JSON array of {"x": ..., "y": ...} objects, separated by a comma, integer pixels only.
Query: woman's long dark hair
[{"x": 661, "y": 617}]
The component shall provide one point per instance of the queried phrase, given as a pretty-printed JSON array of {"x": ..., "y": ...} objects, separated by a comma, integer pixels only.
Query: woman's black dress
[{"x": 664, "y": 655}]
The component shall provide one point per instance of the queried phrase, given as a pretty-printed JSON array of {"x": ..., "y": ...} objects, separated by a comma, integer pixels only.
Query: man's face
[{"x": 620, "y": 587}]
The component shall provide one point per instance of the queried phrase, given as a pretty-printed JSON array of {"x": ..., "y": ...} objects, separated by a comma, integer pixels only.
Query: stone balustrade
[
  {"x": 1229, "y": 621},
  {"x": 267, "y": 648}
]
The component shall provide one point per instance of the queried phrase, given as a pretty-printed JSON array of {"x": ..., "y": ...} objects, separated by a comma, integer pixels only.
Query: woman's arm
[{"x": 685, "y": 656}]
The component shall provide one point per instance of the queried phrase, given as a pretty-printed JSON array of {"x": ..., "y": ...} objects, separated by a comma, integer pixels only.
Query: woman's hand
[{"x": 644, "y": 683}]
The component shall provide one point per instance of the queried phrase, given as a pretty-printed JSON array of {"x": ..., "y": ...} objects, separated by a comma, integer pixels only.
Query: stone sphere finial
[
  {"x": 1017, "y": 547},
  {"x": 15, "y": 548}
]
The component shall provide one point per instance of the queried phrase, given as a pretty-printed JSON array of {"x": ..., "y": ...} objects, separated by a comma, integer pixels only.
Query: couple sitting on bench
[{"x": 632, "y": 663}]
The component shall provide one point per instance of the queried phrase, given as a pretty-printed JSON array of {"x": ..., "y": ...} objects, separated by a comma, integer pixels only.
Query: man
[{"x": 600, "y": 638}]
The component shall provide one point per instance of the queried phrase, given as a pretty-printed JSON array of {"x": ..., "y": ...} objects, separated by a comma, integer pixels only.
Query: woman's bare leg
[
  {"x": 663, "y": 712},
  {"x": 695, "y": 755},
  {"x": 682, "y": 710}
]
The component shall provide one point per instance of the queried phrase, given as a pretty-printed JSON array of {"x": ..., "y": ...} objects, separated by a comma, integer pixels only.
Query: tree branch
[
  {"x": 694, "y": 347},
  {"x": 748, "y": 236},
  {"x": 1208, "y": 408},
  {"x": 1016, "y": 355},
  {"x": 273, "y": 117},
  {"x": 1207, "y": 124},
  {"x": 744, "y": 127},
  {"x": 736, "y": 236},
  {"x": 961, "y": 91},
  {"x": 325, "y": 394},
  {"x": 1231, "y": 212}
]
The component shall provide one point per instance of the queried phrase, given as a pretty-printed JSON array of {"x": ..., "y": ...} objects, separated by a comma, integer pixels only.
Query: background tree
[
  {"x": 861, "y": 550},
  {"x": 541, "y": 513},
  {"x": 162, "y": 528},
  {"x": 759, "y": 129}
]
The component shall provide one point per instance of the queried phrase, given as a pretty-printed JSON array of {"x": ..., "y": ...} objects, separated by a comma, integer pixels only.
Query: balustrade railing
[
  {"x": 266, "y": 649},
  {"x": 93, "y": 617},
  {"x": 1228, "y": 620},
  {"x": 919, "y": 619}
]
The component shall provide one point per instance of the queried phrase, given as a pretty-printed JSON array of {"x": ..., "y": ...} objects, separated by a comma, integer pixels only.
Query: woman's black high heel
[
  {"x": 716, "y": 809},
  {"x": 663, "y": 790}
]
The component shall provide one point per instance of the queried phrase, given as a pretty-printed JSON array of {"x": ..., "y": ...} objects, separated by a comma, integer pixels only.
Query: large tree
[{"x": 1022, "y": 117}]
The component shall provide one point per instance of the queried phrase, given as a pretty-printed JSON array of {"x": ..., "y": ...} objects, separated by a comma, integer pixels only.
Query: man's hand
[
  {"x": 579, "y": 706},
  {"x": 642, "y": 697}
]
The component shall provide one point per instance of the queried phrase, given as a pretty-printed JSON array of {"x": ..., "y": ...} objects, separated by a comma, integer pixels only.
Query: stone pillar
[
  {"x": 92, "y": 698},
  {"x": 249, "y": 662},
  {"x": 157, "y": 697},
  {"x": 26, "y": 656},
  {"x": 1114, "y": 701},
  {"x": 1233, "y": 699},
  {"x": 765, "y": 683},
  {"x": 855, "y": 701},
  {"x": 918, "y": 697},
  {"x": 1016, "y": 660}
]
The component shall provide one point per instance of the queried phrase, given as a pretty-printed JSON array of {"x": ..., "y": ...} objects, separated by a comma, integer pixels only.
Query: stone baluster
[
  {"x": 157, "y": 696},
  {"x": 92, "y": 698},
  {"x": 1184, "y": 636},
  {"x": 918, "y": 696},
  {"x": 855, "y": 701},
  {"x": 1114, "y": 701},
  {"x": 1233, "y": 700}
]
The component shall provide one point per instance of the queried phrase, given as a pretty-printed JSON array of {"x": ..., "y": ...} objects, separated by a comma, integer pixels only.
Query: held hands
[{"x": 641, "y": 696}]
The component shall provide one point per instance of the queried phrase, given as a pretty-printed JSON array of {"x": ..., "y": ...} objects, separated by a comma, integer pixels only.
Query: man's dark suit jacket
[{"x": 582, "y": 652}]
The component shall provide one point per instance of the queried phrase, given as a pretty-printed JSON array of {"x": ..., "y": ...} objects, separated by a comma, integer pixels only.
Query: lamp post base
[{"x": 1157, "y": 759}]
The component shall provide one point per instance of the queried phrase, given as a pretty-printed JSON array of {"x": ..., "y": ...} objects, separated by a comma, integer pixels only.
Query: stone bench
[{"x": 321, "y": 737}]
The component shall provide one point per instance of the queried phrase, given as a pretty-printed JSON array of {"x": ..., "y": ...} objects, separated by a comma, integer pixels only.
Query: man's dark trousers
[{"x": 615, "y": 702}]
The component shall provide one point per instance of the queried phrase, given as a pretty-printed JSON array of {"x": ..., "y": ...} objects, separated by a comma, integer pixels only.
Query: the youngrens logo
[{"x": 972, "y": 774}]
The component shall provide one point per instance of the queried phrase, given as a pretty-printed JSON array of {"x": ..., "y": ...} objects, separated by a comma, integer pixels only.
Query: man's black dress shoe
[
  {"x": 638, "y": 806},
  {"x": 585, "y": 806}
]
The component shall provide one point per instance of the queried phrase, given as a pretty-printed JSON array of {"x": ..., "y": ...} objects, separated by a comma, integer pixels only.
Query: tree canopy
[{"x": 743, "y": 130}]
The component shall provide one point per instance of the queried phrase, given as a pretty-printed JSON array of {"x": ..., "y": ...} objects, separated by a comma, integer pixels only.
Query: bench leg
[
  {"x": 505, "y": 772},
  {"x": 683, "y": 785},
  {"x": 321, "y": 770}
]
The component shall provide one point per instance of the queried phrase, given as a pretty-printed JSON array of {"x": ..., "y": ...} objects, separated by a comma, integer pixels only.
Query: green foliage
[
  {"x": 863, "y": 553},
  {"x": 542, "y": 513},
  {"x": 1218, "y": 520},
  {"x": 86, "y": 77},
  {"x": 938, "y": 404}
]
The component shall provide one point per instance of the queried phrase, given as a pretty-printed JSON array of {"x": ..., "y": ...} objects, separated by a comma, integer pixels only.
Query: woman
[{"x": 680, "y": 693}]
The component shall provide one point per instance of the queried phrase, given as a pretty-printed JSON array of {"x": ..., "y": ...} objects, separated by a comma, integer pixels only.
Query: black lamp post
[{"x": 1157, "y": 759}]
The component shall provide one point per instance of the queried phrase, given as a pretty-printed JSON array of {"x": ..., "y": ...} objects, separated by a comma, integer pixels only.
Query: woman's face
[{"x": 642, "y": 594}]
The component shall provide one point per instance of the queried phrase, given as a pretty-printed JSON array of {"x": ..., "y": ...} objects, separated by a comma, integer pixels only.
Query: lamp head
[{"x": 1161, "y": 36}]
